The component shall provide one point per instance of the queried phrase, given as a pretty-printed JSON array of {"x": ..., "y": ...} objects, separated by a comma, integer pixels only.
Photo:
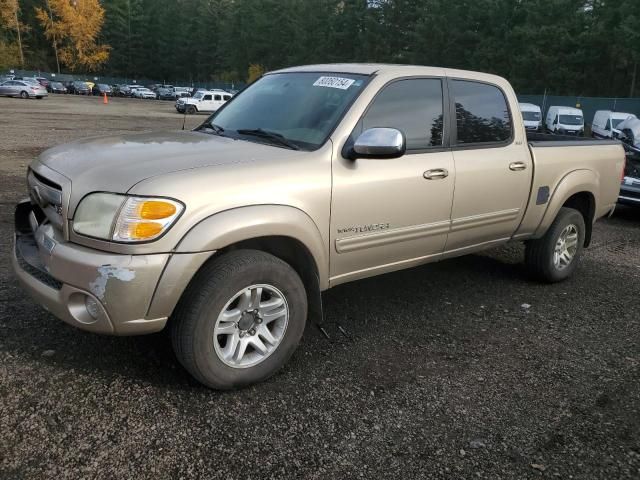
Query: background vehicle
[
  {"x": 43, "y": 81},
  {"x": 78, "y": 88},
  {"x": 605, "y": 123},
  {"x": 629, "y": 134},
  {"x": 101, "y": 89},
  {"x": 56, "y": 87},
  {"x": 143, "y": 92},
  {"x": 122, "y": 90},
  {"x": 21, "y": 88},
  {"x": 532, "y": 116},
  {"x": 203, "y": 101},
  {"x": 165, "y": 92},
  {"x": 311, "y": 177},
  {"x": 181, "y": 92},
  {"x": 565, "y": 121}
]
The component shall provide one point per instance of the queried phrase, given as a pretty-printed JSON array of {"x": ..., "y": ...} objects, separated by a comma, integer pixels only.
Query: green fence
[
  {"x": 65, "y": 77},
  {"x": 588, "y": 105}
]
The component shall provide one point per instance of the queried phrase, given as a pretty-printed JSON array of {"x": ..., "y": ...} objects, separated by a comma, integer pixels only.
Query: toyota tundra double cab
[{"x": 309, "y": 178}]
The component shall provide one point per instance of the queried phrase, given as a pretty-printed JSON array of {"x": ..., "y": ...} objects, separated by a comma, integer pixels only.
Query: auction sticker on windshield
[{"x": 334, "y": 82}]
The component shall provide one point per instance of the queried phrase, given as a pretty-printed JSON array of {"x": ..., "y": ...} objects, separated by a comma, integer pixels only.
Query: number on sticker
[{"x": 334, "y": 82}]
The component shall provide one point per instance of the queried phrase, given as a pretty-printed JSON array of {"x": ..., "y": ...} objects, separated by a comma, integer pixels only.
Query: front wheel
[
  {"x": 191, "y": 110},
  {"x": 240, "y": 319},
  {"x": 556, "y": 255}
]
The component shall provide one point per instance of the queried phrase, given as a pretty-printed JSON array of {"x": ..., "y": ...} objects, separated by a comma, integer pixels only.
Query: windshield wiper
[
  {"x": 276, "y": 137},
  {"x": 212, "y": 126}
]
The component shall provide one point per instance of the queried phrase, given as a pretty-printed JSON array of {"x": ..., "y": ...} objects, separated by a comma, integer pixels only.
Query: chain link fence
[{"x": 588, "y": 105}]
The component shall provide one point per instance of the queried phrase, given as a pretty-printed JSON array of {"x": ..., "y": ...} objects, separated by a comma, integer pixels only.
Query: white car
[
  {"x": 203, "y": 101},
  {"x": 143, "y": 92},
  {"x": 565, "y": 121},
  {"x": 605, "y": 123}
]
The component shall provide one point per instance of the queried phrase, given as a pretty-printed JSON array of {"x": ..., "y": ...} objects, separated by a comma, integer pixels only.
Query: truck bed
[{"x": 536, "y": 139}]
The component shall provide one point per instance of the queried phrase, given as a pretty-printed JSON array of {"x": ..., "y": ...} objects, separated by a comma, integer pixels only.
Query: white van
[
  {"x": 565, "y": 120},
  {"x": 605, "y": 123},
  {"x": 532, "y": 115}
]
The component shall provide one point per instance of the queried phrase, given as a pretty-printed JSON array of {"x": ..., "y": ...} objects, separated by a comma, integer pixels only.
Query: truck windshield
[
  {"x": 570, "y": 119},
  {"x": 531, "y": 116},
  {"x": 303, "y": 107}
]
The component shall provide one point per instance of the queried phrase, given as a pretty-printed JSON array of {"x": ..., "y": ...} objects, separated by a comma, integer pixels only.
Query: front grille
[{"x": 47, "y": 196}]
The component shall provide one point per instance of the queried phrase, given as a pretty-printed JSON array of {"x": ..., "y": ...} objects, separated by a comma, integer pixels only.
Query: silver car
[{"x": 23, "y": 89}]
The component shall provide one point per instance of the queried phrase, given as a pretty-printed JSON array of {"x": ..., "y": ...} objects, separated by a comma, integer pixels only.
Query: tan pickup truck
[{"x": 309, "y": 178}]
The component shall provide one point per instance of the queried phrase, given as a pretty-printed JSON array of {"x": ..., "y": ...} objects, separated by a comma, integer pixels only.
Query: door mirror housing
[{"x": 379, "y": 143}]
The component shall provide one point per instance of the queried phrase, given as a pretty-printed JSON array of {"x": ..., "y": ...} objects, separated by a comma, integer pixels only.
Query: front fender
[
  {"x": 576, "y": 181},
  {"x": 235, "y": 225}
]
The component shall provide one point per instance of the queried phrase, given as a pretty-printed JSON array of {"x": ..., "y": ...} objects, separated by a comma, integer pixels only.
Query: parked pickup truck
[{"x": 309, "y": 178}]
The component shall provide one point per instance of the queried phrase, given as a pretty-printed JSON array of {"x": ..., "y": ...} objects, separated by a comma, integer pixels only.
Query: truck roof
[{"x": 390, "y": 68}]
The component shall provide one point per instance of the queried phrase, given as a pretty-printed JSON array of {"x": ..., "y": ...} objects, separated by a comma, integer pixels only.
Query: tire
[
  {"x": 24, "y": 94},
  {"x": 191, "y": 110},
  {"x": 540, "y": 256},
  {"x": 212, "y": 292}
]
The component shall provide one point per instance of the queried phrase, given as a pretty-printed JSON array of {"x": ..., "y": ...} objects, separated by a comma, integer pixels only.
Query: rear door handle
[
  {"x": 436, "y": 174},
  {"x": 517, "y": 166}
]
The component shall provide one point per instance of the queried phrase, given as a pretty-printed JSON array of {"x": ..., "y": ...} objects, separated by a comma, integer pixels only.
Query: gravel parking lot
[{"x": 461, "y": 369}]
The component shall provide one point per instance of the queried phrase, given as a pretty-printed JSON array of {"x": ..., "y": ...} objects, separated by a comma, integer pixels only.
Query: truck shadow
[{"x": 383, "y": 301}]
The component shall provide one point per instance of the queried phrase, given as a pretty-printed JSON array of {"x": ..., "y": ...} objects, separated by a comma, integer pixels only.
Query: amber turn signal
[{"x": 156, "y": 210}]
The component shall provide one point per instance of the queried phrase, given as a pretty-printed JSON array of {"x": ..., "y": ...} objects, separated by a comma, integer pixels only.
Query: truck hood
[{"x": 117, "y": 163}]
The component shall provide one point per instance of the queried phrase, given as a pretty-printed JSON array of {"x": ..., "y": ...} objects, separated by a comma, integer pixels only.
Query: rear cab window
[{"x": 482, "y": 113}]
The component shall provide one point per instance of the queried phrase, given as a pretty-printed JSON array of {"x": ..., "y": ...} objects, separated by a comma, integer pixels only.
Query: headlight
[{"x": 121, "y": 218}]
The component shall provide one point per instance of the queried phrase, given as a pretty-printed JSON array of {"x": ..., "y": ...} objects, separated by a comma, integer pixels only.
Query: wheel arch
[
  {"x": 577, "y": 190},
  {"x": 285, "y": 232}
]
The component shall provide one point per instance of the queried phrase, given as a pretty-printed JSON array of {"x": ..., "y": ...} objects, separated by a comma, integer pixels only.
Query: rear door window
[{"x": 482, "y": 113}]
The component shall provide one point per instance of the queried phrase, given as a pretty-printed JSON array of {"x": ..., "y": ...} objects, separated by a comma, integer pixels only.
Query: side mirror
[{"x": 379, "y": 143}]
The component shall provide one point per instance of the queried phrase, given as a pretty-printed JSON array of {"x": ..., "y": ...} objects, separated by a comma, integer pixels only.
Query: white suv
[{"x": 203, "y": 101}]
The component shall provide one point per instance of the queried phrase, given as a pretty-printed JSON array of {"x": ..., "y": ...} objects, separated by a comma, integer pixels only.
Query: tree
[
  {"x": 255, "y": 72},
  {"x": 76, "y": 25},
  {"x": 10, "y": 16}
]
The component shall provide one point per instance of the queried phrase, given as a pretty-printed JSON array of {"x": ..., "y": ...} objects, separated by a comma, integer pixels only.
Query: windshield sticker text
[{"x": 334, "y": 82}]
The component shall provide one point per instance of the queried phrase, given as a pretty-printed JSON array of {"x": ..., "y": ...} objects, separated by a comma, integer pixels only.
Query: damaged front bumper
[{"x": 93, "y": 290}]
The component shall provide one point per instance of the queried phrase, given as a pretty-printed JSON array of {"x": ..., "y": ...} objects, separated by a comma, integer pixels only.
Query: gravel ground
[{"x": 461, "y": 369}]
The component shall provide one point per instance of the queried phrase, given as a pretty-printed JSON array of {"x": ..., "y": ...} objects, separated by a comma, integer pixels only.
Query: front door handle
[
  {"x": 517, "y": 166},
  {"x": 436, "y": 174}
]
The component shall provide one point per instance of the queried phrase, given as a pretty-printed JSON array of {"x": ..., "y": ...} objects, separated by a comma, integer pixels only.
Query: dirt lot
[{"x": 462, "y": 369}]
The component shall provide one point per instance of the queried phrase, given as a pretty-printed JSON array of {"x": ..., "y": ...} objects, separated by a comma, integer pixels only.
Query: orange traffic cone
[{"x": 105, "y": 100}]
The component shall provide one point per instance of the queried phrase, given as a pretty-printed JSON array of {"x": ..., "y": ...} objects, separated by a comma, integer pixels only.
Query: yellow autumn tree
[
  {"x": 73, "y": 26},
  {"x": 255, "y": 72},
  {"x": 10, "y": 20}
]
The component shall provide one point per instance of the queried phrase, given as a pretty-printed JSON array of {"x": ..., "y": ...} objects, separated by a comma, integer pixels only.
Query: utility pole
[
  {"x": 633, "y": 78},
  {"x": 19, "y": 36}
]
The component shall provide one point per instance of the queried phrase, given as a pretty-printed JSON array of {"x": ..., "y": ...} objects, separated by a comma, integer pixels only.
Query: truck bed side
[{"x": 570, "y": 169}]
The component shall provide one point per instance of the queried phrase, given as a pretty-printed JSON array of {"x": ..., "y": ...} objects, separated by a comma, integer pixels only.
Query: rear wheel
[
  {"x": 240, "y": 319},
  {"x": 24, "y": 94},
  {"x": 555, "y": 256}
]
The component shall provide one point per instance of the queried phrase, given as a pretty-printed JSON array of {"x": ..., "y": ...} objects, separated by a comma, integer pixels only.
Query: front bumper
[{"x": 65, "y": 278}]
